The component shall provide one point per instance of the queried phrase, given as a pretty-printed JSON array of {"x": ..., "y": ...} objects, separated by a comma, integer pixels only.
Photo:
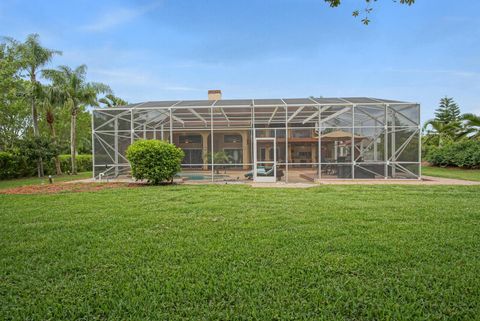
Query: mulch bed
[{"x": 64, "y": 187}]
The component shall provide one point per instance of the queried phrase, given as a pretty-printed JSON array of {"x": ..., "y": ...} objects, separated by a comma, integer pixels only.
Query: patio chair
[{"x": 260, "y": 171}]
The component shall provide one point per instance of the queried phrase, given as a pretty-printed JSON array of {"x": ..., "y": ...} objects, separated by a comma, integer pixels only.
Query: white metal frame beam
[
  {"x": 299, "y": 109},
  {"x": 338, "y": 113},
  {"x": 198, "y": 115},
  {"x": 315, "y": 114},
  {"x": 273, "y": 115}
]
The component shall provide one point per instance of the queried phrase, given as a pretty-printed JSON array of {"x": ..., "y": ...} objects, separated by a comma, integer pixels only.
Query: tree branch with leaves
[{"x": 368, "y": 7}]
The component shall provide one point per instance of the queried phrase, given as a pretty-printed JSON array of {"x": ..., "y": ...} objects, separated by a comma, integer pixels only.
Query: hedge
[
  {"x": 465, "y": 154},
  {"x": 15, "y": 165},
  {"x": 154, "y": 160},
  {"x": 84, "y": 163}
]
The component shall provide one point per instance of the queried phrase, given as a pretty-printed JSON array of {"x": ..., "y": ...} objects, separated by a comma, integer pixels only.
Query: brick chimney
[{"x": 215, "y": 94}]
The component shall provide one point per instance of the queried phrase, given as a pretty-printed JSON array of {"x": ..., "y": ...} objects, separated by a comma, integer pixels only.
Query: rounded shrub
[{"x": 154, "y": 160}]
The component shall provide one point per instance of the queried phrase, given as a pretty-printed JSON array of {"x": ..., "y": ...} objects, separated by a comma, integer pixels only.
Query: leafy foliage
[
  {"x": 75, "y": 92},
  {"x": 83, "y": 163},
  {"x": 219, "y": 158},
  {"x": 446, "y": 126},
  {"x": 439, "y": 133},
  {"x": 13, "y": 165},
  {"x": 448, "y": 111},
  {"x": 154, "y": 160},
  {"x": 33, "y": 56},
  {"x": 14, "y": 113},
  {"x": 464, "y": 154},
  {"x": 110, "y": 100},
  {"x": 368, "y": 7},
  {"x": 471, "y": 127},
  {"x": 452, "y": 139},
  {"x": 21, "y": 160},
  {"x": 38, "y": 147},
  {"x": 29, "y": 107}
]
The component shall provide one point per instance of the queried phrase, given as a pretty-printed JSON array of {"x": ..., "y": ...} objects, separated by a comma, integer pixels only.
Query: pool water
[{"x": 200, "y": 177}]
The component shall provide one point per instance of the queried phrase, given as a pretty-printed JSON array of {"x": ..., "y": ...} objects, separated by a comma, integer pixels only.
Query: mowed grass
[
  {"x": 457, "y": 173},
  {"x": 235, "y": 252},
  {"x": 44, "y": 180}
]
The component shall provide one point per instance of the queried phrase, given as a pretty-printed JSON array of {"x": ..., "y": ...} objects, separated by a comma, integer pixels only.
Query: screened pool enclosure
[{"x": 268, "y": 140}]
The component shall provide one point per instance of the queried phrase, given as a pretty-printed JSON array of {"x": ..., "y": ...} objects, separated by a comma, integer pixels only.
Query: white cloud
[
  {"x": 118, "y": 16},
  {"x": 136, "y": 84}
]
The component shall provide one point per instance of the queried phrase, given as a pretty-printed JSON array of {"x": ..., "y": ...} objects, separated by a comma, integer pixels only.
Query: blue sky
[{"x": 178, "y": 49}]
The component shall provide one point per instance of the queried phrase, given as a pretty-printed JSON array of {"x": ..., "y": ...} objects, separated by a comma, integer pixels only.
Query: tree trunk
[
  {"x": 73, "y": 139},
  {"x": 36, "y": 132},
  {"x": 58, "y": 168}
]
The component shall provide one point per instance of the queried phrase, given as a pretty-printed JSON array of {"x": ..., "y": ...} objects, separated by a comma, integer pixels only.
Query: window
[
  {"x": 232, "y": 138},
  {"x": 192, "y": 157},
  {"x": 235, "y": 155},
  {"x": 190, "y": 139}
]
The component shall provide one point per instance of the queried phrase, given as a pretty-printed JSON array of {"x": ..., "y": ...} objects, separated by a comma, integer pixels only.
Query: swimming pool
[{"x": 200, "y": 176}]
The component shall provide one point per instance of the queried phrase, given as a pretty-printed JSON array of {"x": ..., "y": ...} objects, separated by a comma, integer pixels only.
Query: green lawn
[
  {"x": 457, "y": 173},
  {"x": 235, "y": 252},
  {"x": 39, "y": 181}
]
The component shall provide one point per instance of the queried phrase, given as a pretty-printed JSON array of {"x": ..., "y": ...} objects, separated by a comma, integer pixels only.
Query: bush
[
  {"x": 8, "y": 165},
  {"x": 84, "y": 163},
  {"x": 464, "y": 154},
  {"x": 14, "y": 165},
  {"x": 154, "y": 160}
]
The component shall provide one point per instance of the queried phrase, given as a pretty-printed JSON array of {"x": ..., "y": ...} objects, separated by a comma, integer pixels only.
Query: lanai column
[
  {"x": 267, "y": 153},
  {"x": 246, "y": 150},
  {"x": 205, "y": 149}
]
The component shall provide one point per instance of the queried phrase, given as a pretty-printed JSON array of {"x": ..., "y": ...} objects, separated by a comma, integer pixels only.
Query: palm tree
[
  {"x": 111, "y": 100},
  {"x": 34, "y": 57},
  {"x": 439, "y": 131},
  {"x": 50, "y": 103},
  {"x": 75, "y": 92},
  {"x": 219, "y": 158},
  {"x": 471, "y": 126}
]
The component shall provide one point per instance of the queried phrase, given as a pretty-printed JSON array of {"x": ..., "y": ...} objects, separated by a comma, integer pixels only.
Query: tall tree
[
  {"x": 367, "y": 9},
  {"x": 34, "y": 57},
  {"x": 448, "y": 111},
  {"x": 14, "y": 111},
  {"x": 75, "y": 91},
  {"x": 50, "y": 103},
  {"x": 446, "y": 126},
  {"x": 111, "y": 100}
]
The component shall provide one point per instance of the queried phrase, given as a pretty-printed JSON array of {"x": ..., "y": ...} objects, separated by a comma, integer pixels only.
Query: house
[{"x": 292, "y": 140}]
